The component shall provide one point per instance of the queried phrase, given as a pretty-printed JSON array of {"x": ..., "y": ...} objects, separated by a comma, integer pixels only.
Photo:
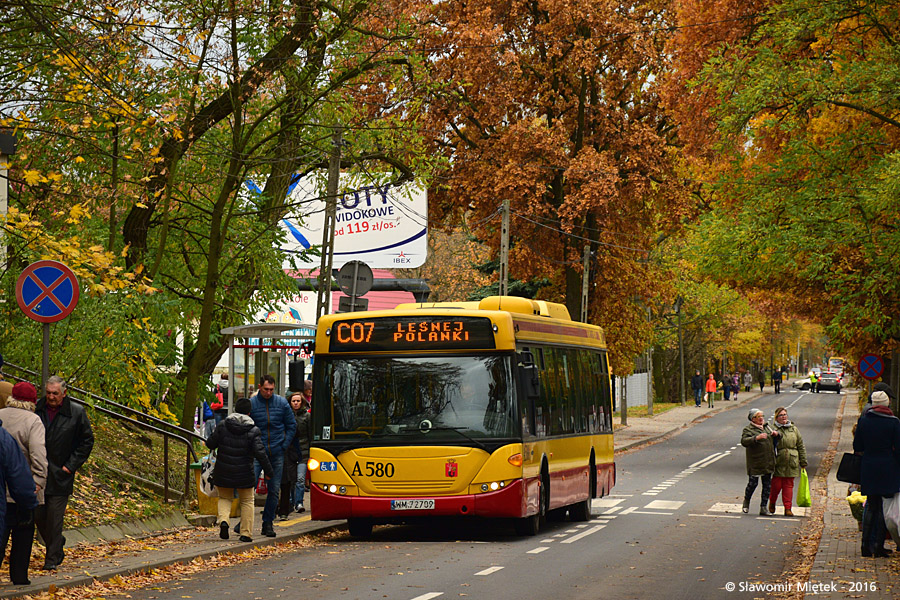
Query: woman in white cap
[
  {"x": 877, "y": 438},
  {"x": 757, "y": 438}
]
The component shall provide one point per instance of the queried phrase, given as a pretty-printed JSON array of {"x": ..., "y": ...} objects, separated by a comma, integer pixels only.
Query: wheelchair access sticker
[{"x": 330, "y": 465}]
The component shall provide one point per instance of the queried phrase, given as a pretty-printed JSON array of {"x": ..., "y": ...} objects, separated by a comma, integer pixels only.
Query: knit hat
[
  {"x": 880, "y": 398},
  {"x": 24, "y": 392},
  {"x": 752, "y": 413},
  {"x": 242, "y": 405},
  {"x": 883, "y": 387}
]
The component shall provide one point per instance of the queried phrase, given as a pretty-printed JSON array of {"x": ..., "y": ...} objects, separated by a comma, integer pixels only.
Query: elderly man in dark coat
[
  {"x": 69, "y": 444},
  {"x": 877, "y": 438}
]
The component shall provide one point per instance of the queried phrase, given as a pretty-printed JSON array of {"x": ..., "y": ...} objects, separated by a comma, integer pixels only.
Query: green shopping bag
[{"x": 803, "y": 495}]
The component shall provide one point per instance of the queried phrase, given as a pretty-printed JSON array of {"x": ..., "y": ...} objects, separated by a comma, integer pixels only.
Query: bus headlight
[
  {"x": 312, "y": 464},
  {"x": 495, "y": 486},
  {"x": 332, "y": 488}
]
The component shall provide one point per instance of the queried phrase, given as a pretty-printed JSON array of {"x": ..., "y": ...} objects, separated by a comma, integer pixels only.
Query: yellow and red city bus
[{"x": 499, "y": 409}]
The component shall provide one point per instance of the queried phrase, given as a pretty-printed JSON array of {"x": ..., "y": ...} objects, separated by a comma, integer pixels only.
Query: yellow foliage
[{"x": 32, "y": 177}]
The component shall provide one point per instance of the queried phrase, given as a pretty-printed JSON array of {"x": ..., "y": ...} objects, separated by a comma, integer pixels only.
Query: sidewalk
[
  {"x": 642, "y": 430},
  {"x": 838, "y": 558}
]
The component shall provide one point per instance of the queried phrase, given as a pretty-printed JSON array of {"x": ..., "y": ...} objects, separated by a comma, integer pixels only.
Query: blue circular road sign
[
  {"x": 47, "y": 291},
  {"x": 871, "y": 366}
]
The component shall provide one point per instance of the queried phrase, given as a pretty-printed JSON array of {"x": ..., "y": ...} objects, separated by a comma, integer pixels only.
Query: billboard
[{"x": 380, "y": 223}]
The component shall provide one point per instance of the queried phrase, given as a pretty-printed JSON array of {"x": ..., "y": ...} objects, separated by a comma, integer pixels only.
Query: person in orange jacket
[{"x": 710, "y": 389}]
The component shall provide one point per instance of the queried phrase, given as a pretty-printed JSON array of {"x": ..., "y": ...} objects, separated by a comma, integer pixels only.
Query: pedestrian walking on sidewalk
[
  {"x": 20, "y": 421},
  {"x": 726, "y": 386},
  {"x": 273, "y": 415},
  {"x": 735, "y": 385},
  {"x": 710, "y": 389},
  {"x": 776, "y": 380},
  {"x": 70, "y": 440},
  {"x": 748, "y": 381},
  {"x": 877, "y": 438},
  {"x": 237, "y": 441},
  {"x": 697, "y": 388},
  {"x": 790, "y": 457},
  {"x": 757, "y": 439},
  {"x": 761, "y": 378}
]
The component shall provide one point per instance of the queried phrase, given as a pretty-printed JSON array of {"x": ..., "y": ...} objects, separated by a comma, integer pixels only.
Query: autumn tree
[
  {"x": 553, "y": 106},
  {"x": 152, "y": 116},
  {"x": 789, "y": 112}
]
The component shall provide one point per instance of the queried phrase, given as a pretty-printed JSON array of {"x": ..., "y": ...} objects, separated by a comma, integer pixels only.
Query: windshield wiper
[{"x": 458, "y": 430}]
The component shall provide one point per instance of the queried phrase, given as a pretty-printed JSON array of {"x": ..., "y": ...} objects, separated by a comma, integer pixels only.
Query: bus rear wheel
[{"x": 360, "y": 528}]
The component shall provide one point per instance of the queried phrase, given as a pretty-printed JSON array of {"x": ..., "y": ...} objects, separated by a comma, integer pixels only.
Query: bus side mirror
[
  {"x": 296, "y": 375},
  {"x": 528, "y": 373}
]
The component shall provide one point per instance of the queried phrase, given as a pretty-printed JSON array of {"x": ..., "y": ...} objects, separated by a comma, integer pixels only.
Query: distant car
[
  {"x": 830, "y": 381},
  {"x": 802, "y": 384},
  {"x": 817, "y": 370}
]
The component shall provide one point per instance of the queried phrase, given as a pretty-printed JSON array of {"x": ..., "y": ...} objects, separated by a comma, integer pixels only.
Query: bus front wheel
[{"x": 359, "y": 528}]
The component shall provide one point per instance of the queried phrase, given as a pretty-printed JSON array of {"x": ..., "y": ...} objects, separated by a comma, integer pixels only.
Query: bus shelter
[{"x": 259, "y": 349}]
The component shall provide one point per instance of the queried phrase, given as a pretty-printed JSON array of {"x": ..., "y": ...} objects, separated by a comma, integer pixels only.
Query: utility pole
[
  {"x": 334, "y": 174},
  {"x": 8, "y": 144},
  {"x": 504, "y": 250},
  {"x": 584, "y": 283},
  {"x": 678, "y": 302}
]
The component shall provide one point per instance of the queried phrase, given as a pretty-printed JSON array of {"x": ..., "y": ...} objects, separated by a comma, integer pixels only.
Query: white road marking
[
  {"x": 697, "y": 464},
  {"x": 664, "y": 505},
  {"x": 582, "y": 526},
  {"x": 610, "y": 511},
  {"x": 716, "y": 516},
  {"x": 647, "y": 512},
  {"x": 537, "y": 550},
  {"x": 489, "y": 571},
  {"x": 547, "y": 541},
  {"x": 628, "y": 510},
  {"x": 584, "y": 533},
  {"x": 606, "y": 502},
  {"x": 429, "y": 596},
  {"x": 725, "y": 507},
  {"x": 710, "y": 461}
]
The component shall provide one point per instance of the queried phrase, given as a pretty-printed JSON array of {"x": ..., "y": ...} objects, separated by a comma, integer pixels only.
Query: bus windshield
[{"x": 450, "y": 399}]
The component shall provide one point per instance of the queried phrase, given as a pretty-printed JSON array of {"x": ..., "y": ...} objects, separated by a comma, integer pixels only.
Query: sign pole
[{"x": 45, "y": 356}]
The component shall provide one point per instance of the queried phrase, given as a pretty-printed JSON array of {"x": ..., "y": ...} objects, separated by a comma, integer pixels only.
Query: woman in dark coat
[
  {"x": 292, "y": 458},
  {"x": 757, "y": 438},
  {"x": 237, "y": 441},
  {"x": 877, "y": 438}
]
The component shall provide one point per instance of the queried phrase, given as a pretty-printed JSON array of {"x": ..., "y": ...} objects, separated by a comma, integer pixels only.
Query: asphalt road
[{"x": 672, "y": 529}]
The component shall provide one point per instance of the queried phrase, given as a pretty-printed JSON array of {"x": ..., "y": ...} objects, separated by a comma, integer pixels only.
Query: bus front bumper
[{"x": 506, "y": 502}]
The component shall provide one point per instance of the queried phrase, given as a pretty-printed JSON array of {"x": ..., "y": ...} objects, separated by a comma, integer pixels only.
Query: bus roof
[{"x": 522, "y": 319}]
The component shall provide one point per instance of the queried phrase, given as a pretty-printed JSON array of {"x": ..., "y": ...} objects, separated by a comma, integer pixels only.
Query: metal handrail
[{"x": 185, "y": 439}]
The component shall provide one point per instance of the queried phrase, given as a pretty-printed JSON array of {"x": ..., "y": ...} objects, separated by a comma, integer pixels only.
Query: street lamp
[{"x": 678, "y": 302}]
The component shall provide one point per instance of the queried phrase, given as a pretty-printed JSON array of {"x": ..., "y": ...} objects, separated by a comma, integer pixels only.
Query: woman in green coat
[
  {"x": 757, "y": 438},
  {"x": 790, "y": 457}
]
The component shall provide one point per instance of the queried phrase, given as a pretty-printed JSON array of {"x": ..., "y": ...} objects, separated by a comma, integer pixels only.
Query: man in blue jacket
[
  {"x": 273, "y": 415},
  {"x": 15, "y": 476}
]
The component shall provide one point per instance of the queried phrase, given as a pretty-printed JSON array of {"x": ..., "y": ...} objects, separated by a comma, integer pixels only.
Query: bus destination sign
[{"x": 384, "y": 334}]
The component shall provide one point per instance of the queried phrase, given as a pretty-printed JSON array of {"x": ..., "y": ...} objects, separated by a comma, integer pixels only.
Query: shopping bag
[
  {"x": 261, "y": 488},
  {"x": 849, "y": 469},
  {"x": 803, "y": 496},
  {"x": 207, "y": 486},
  {"x": 891, "y": 508}
]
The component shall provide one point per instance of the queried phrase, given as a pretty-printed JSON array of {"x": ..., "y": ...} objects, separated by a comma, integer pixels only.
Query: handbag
[
  {"x": 261, "y": 488},
  {"x": 850, "y": 467},
  {"x": 803, "y": 495},
  {"x": 207, "y": 486},
  {"x": 890, "y": 506}
]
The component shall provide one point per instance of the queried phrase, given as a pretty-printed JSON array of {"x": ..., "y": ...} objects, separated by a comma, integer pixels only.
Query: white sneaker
[{"x": 299, "y": 508}]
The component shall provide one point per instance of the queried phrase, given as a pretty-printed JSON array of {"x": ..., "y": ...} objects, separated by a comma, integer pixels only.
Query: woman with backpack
[{"x": 237, "y": 442}]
